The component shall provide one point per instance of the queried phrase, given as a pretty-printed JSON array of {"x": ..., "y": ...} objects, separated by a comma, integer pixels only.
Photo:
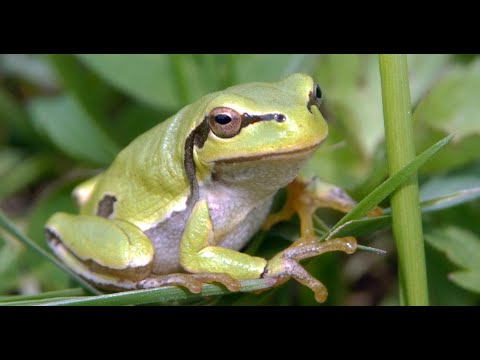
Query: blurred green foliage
[{"x": 64, "y": 117}]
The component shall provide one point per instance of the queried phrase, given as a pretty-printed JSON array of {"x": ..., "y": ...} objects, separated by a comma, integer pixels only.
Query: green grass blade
[
  {"x": 25, "y": 172},
  {"x": 42, "y": 296},
  {"x": 35, "y": 302},
  {"x": 389, "y": 185},
  {"x": 363, "y": 227},
  {"x": 158, "y": 295},
  {"x": 450, "y": 200}
]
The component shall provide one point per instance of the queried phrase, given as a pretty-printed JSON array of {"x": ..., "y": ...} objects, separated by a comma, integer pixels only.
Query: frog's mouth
[{"x": 289, "y": 154}]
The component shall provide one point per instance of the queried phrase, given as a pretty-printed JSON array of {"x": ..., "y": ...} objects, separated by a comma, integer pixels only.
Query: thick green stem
[{"x": 406, "y": 216}]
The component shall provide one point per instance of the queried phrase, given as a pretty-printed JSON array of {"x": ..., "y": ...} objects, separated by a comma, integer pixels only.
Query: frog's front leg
[
  {"x": 200, "y": 255},
  {"x": 304, "y": 197},
  {"x": 285, "y": 265}
]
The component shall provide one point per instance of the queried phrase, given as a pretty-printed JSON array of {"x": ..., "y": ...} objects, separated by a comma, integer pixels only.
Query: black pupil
[
  {"x": 222, "y": 119},
  {"x": 318, "y": 91}
]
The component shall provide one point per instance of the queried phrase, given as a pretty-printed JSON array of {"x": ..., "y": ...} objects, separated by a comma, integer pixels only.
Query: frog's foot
[
  {"x": 285, "y": 265},
  {"x": 193, "y": 282},
  {"x": 229, "y": 282},
  {"x": 304, "y": 197}
]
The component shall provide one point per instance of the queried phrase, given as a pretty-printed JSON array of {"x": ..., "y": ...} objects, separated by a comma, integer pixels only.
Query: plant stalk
[{"x": 406, "y": 215}]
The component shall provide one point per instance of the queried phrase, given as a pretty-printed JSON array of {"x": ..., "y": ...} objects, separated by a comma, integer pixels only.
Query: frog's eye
[
  {"x": 314, "y": 97},
  {"x": 224, "y": 122},
  {"x": 317, "y": 91}
]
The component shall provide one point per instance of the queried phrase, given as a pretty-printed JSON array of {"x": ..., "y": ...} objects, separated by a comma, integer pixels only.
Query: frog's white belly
[{"x": 234, "y": 224}]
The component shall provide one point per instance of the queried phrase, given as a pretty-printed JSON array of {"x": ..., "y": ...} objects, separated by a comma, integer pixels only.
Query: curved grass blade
[
  {"x": 41, "y": 296},
  {"x": 367, "y": 226},
  {"x": 35, "y": 302},
  {"x": 159, "y": 295},
  {"x": 450, "y": 200},
  {"x": 389, "y": 185}
]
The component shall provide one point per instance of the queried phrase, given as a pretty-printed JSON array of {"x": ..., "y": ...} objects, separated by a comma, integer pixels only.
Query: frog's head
[{"x": 262, "y": 121}]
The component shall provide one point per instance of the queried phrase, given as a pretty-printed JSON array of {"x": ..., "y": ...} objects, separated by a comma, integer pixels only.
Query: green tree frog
[{"x": 178, "y": 204}]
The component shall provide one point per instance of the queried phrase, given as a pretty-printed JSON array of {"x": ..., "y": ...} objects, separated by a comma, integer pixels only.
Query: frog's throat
[{"x": 200, "y": 134}]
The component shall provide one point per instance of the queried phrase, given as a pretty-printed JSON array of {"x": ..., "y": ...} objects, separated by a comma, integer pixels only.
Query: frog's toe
[
  {"x": 282, "y": 268},
  {"x": 285, "y": 265}
]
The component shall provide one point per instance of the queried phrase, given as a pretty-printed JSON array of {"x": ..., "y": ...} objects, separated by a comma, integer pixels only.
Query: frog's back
[{"x": 147, "y": 180}]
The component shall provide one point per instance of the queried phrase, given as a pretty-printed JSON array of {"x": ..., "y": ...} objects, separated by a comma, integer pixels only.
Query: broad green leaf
[
  {"x": 146, "y": 77},
  {"x": 461, "y": 246},
  {"x": 424, "y": 70},
  {"x": 352, "y": 94},
  {"x": 353, "y": 105},
  {"x": 9, "y": 157},
  {"x": 163, "y": 81},
  {"x": 88, "y": 89},
  {"x": 339, "y": 73},
  {"x": 9, "y": 265},
  {"x": 190, "y": 80},
  {"x": 29, "y": 67},
  {"x": 442, "y": 291},
  {"x": 442, "y": 185},
  {"x": 218, "y": 71},
  {"x": 14, "y": 118},
  {"x": 459, "y": 153},
  {"x": 8, "y": 255},
  {"x": 452, "y": 105},
  {"x": 336, "y": 161},
  {"x": 133, "y": 120},
  {"x": 450, "y": 200},
  {"x": 443, "y": 191},
  {"x": 469, "y": 280},
  {"x": 70, "y": 128},
  {"x": 24, "y": 173},
  {"x": 271, "y": 67}
]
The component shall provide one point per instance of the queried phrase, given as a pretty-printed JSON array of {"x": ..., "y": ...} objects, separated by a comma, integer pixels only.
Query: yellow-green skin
[{"x": 158, "y": 223}]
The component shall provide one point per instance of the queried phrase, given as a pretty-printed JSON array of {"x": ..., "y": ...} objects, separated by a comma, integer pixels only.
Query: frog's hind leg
[
  {"x": 304, "y": 197},
  {"x": 116, "y": 255},
  {"x": 109, "y": 253}
]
